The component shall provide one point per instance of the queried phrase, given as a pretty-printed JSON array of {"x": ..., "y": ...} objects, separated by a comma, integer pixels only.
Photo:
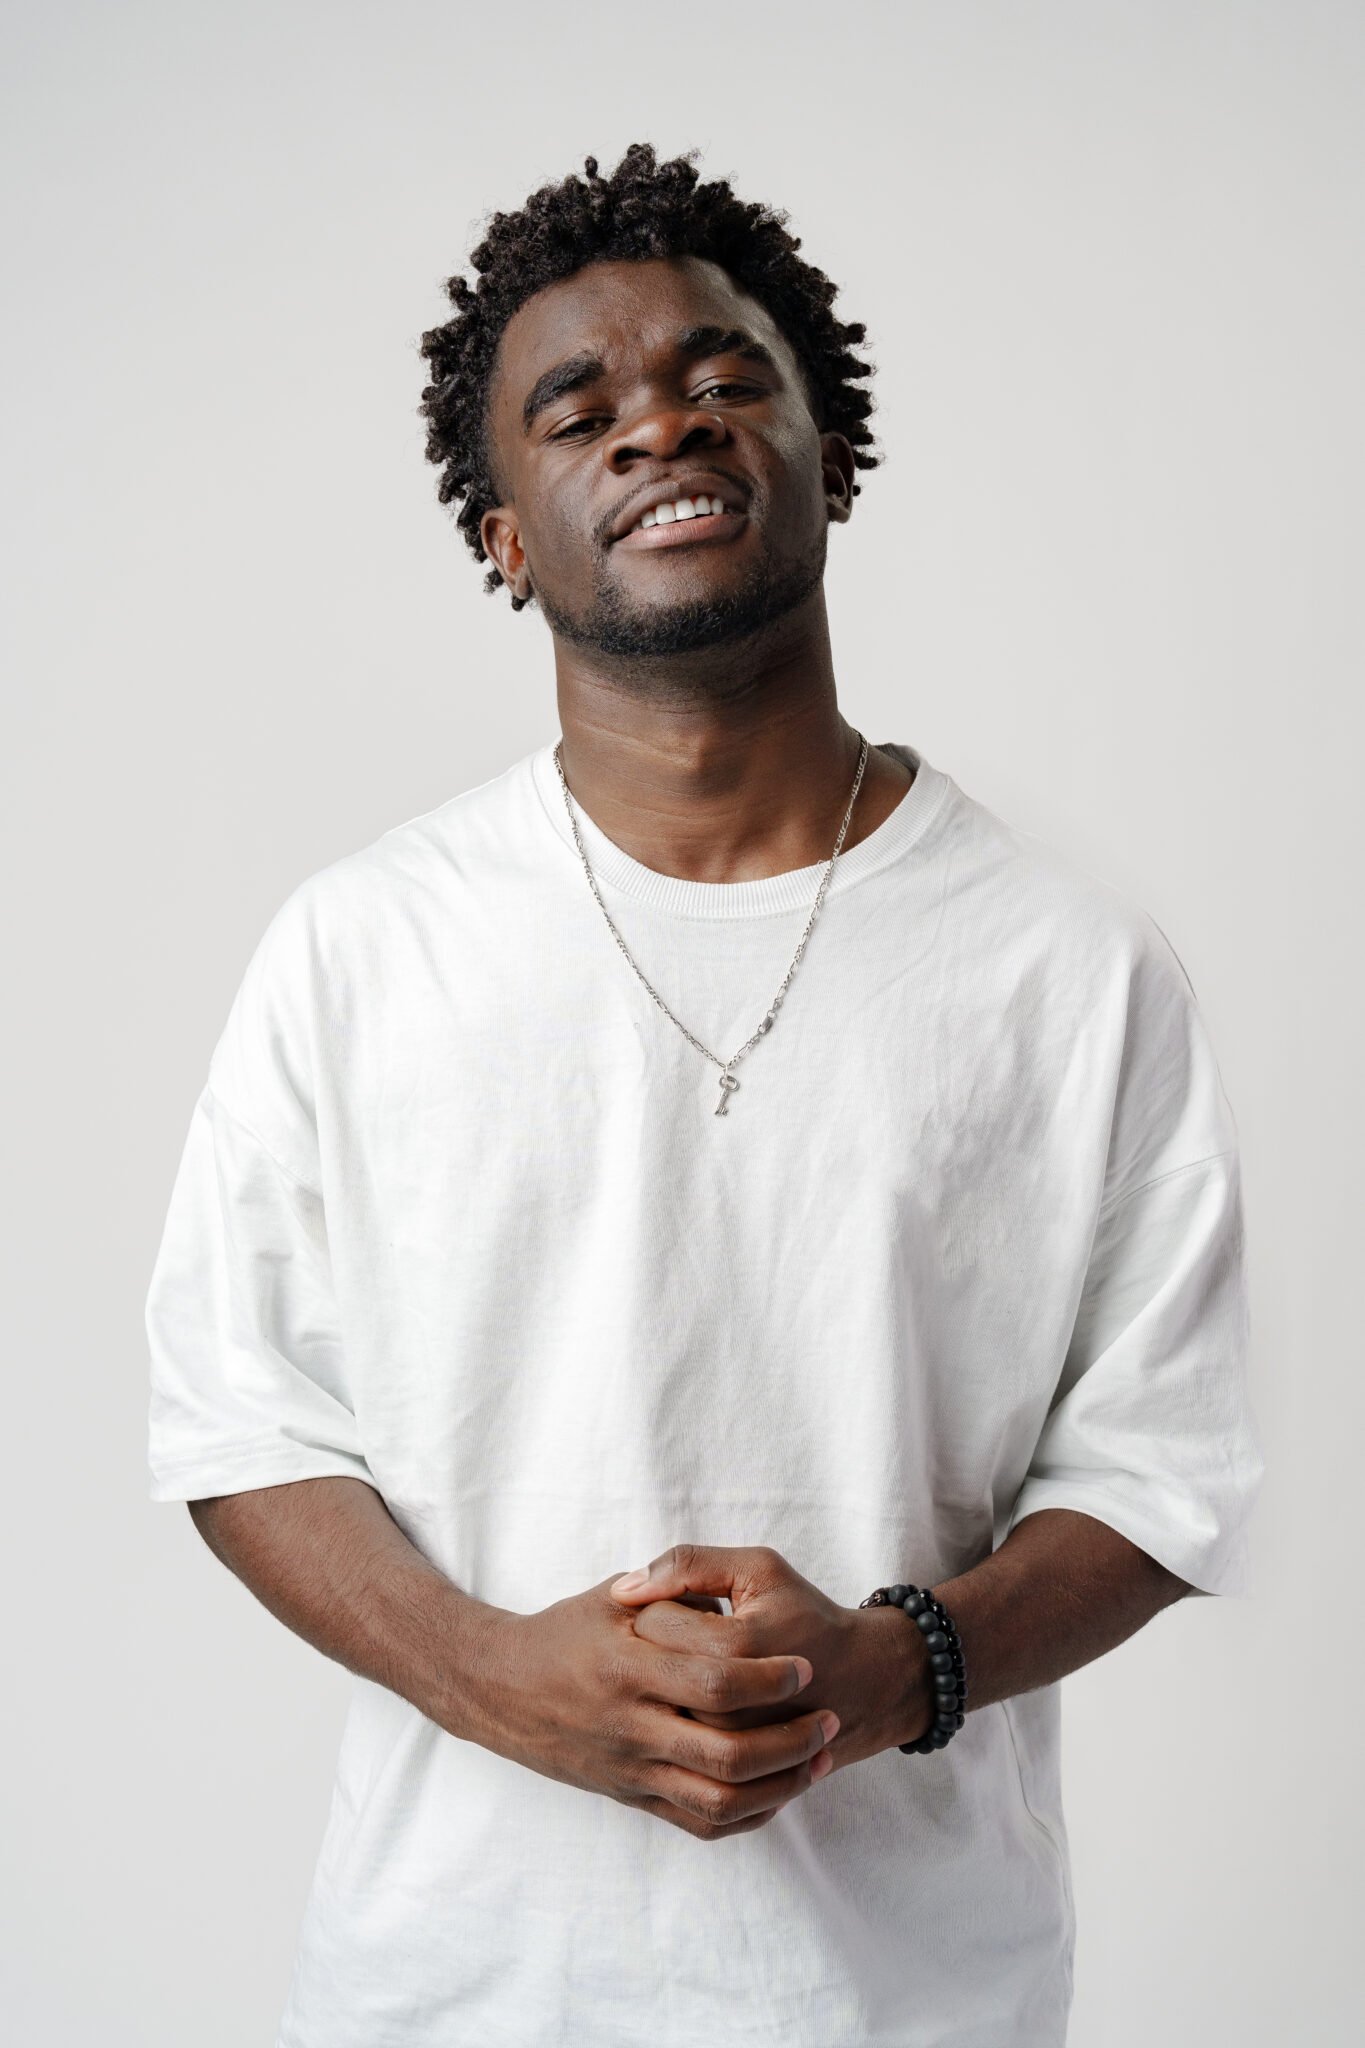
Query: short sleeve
[
  {"x": 249, "y": 1383},
  {"x": 1151, "y": 1427}
]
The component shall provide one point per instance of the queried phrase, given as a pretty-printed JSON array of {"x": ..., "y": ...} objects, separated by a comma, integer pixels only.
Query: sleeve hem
[
  {"x": 1223, "y": 1574},
  {"x": 247, "y": 1467}
]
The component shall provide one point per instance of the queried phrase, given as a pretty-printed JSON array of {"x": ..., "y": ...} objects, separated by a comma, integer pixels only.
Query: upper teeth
[{"x": 678, "y": 508}]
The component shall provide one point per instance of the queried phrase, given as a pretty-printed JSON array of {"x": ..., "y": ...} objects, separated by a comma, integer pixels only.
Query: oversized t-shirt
[{"x": 456, "y": 1216}]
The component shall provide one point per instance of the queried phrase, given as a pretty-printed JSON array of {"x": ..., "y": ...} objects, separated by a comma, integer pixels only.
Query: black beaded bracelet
[{"x": 945, "y": 1661}]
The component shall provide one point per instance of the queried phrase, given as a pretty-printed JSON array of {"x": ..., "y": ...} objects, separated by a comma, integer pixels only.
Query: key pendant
[{"x": 728, "y": 1084}]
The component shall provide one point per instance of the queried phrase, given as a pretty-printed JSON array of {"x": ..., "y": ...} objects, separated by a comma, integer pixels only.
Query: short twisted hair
[{"x": 644, "y": 209}]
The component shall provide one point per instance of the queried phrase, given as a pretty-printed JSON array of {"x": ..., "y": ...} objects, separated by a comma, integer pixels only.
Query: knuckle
[
  {"x": 719, "y": 1805},
  {"x": 723, "y": 1764},
  {"x": 739, "y": 1636},
  {"x": 718, "y": 1686},
  {"x": 616, "y": 1673},
  {"x": 610, "y": 1733}
]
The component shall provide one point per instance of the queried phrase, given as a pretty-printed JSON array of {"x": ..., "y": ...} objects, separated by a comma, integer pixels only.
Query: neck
[{"x": 723, "y": 787}]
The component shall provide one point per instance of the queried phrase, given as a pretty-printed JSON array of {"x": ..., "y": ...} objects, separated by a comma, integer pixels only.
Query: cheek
[
  {"x": 563, "y": 517},
  {"x": 797, "y": 510}
]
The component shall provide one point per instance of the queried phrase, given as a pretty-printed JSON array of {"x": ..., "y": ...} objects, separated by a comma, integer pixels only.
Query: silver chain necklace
[{"x": 728, "y": 1083}]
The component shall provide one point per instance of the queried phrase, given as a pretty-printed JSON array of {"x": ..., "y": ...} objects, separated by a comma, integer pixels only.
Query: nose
[{"x": 665, "y": 432}]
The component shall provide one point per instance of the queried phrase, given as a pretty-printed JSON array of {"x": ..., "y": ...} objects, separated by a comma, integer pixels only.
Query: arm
[
  {"x": 329, "y": 1561},
  {"x": 1061, "y": 1590},
  {"x": 568, "y": 1692}
]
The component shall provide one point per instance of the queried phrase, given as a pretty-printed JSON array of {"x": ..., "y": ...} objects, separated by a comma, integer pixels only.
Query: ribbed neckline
[{"x": 614, "y": 868}]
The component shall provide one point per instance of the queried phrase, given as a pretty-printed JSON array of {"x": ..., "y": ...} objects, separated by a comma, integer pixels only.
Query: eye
[{"x": 590, "y": 419}]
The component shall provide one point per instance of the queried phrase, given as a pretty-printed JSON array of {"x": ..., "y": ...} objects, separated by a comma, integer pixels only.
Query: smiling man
[{"x": 715, "y": 1145}]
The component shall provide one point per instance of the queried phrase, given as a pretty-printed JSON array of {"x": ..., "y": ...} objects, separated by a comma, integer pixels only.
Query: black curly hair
[{"x": 644, "y": 209}]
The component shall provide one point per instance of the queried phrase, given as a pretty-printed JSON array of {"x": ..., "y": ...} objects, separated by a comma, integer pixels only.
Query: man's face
[{"x": 675, "y": 401}]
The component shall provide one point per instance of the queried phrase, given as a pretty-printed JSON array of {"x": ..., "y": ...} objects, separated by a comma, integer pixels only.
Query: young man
[{"x": 714, "y": 1144}]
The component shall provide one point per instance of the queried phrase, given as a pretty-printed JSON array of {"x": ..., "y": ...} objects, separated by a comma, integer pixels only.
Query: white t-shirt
[{"x": 455, "y": 1216}]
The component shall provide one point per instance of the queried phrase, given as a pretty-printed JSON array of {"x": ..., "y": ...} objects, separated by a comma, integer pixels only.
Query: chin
[{"x": 615, "y": 623}]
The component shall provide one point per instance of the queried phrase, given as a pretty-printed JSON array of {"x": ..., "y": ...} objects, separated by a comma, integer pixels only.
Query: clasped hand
[{"x": 867, "y": 1666}]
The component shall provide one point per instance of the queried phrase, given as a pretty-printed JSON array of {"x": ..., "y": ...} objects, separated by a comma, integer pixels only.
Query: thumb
[{"x": 686, "y": 1568}]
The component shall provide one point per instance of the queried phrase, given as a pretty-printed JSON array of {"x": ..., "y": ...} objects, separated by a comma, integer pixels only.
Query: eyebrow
[{"x": 692, "y": 345}]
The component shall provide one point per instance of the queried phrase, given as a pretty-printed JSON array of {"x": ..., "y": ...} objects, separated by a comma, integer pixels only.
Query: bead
[
  {"x": 946, "y": 1664},
  {"x": 767, "y": 1023}
]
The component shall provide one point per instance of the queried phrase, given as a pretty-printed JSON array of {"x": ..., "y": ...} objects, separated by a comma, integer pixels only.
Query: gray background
[{"x": 1109, "y": 258}]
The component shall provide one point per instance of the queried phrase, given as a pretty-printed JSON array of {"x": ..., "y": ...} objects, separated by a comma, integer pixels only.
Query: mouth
[{"x": 681, "y": 533}]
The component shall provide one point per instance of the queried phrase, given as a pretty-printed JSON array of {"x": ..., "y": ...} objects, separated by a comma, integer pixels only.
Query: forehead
[{"x": 627, "y": 313}]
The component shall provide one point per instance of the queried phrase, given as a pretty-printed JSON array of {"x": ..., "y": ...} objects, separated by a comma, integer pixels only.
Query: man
[{"x": 717, "y": 1145}]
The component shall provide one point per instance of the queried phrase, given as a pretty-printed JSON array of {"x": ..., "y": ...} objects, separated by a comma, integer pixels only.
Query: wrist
[
  {"x": 903, "y": 1678},
  {"x": 471, "y": 1652}
]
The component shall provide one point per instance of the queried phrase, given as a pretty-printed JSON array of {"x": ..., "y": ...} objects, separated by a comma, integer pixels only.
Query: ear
[
  {"x": 837, "y": 468},
  {"x": 501, "y": 537}
]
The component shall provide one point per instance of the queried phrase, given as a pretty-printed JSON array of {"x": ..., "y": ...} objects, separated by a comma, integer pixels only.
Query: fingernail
[
  {"x": 830, "y": 1723},
  {"x": 821, "y": 1764},
  {"x": 805, "y": 1671},
  {"x": 629, "y": 1582}
]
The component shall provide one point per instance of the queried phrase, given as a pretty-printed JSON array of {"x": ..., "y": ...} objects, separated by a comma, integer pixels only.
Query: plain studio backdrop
[{"x": 1109, "y": 257}]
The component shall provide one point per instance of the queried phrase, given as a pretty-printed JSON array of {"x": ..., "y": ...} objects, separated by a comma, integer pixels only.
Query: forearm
[
  {"x": 327, "y": 1558},
  {"x": 1061, "y": 1590}
]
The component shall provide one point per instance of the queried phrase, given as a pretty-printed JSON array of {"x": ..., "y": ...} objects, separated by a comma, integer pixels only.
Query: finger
[
  {"x": 743, "y": 1717},
  {"x": 740, "y": 1758},
  {"x": 717, "y": 1684},
  {"x": 684, "y": 1625},
  {"x": 722, "y": 1570},
  {"x": 673, "y": 1626},
  {"x": 690, "y": 1825},
  {"x": 723, "y": 1801}
]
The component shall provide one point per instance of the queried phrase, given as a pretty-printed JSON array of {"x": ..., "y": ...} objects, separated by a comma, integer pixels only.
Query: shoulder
[
  {"x": 333, "y": 941},
  {"x": 1080, "y": 965},
  {"x": 1035, "y": 902},
  {"x": 343, "y": 911}
]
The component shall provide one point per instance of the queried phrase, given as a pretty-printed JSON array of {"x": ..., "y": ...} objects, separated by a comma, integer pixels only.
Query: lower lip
[{"x": 678, "y": 533}]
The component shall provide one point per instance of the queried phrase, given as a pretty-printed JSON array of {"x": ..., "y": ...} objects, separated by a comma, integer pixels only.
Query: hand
[
  {"x": 575, "y": 1693},
  {"x": 868, "y": 1665}
]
